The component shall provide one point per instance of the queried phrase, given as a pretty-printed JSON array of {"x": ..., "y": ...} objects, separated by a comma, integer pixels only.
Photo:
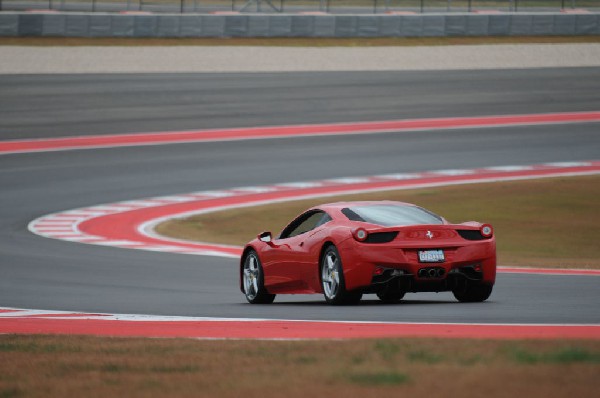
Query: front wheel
[
  {"x": 253, "y": 278},
  {"x": 332, "y": 280},
  {"x": 473, "y": 293}
]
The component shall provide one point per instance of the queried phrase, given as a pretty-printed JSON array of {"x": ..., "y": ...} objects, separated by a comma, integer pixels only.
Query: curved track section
[
  {"x": 130, "y": 224},
  {"x": 57, "y": 275}
]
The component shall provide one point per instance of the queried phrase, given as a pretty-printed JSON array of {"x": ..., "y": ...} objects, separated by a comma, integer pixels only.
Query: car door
[
  {"x": 312, "y": 244},
  {"x": 290, "y": 261}
]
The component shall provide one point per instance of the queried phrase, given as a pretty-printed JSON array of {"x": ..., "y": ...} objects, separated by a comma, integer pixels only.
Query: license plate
[{"x": 431, "y": 256}]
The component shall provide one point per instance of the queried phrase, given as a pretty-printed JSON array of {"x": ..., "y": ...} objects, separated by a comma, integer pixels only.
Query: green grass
[
  {"x": 424, "y": 356},
  {"x": 135, "y": 367},
  {"x": 567, "y": 355},
  {"x": 378, "y": 378}
]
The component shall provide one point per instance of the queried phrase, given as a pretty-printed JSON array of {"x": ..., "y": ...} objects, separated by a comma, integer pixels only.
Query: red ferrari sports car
[{"x": 347, "y": 249}]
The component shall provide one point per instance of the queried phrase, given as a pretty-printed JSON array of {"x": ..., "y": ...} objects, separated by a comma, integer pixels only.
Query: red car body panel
[{"x": 292, "y": 265}]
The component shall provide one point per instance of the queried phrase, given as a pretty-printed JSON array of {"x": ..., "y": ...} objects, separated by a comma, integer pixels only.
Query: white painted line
[
  {"x": 78, "y": 213},
  {"x": 142, "y": 203},
  {"x": 210, "y": 253},
  {"x": 25, "y": 313},
  {"x": 453, "y": 172},
  {"x": 85, "y": 239},
  {"x": 300, "y": 185},
  {"x": 216, "y": 194},
  {"x": 568, "y": 164},
  {"x": 246, "y": 190},
  {"x": 64, "y": 228},
  {"x": 52, "y": 222},
  {"x": 118, "y": 243},
  {"x": 508, "y": 168},
  {"x": 399, "y": 176},
  {"x": 348, "y": 180},
  {"x": 159, "y": 248},
  {"x": 178, "y": 198},
  {"x": 59, "y": 217},
  {"x": 110, "y": 208}
]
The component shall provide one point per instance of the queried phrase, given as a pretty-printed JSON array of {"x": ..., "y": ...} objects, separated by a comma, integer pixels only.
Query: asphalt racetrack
[{"x": 41, "y": 273}]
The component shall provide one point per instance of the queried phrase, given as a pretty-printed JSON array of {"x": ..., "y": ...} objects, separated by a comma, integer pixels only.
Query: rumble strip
[{"x": 60, "y": 322}]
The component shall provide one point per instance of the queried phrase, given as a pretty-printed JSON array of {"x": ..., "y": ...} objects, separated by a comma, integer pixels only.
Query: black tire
[
  {"x": 473, "y": 293},
  {"x": 253, "y": 280},
  {"x": 390, "y": 296},
  {"x": 332, "y": 279}
]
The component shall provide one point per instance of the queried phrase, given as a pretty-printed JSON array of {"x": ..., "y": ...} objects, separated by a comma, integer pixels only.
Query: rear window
[{"x": 392, "y": 215}]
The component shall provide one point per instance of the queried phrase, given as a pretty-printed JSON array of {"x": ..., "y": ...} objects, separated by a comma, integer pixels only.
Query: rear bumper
[{"x": 470, "y": 261}]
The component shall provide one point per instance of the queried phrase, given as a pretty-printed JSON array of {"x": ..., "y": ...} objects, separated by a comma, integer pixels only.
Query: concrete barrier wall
[{"x": 287, "y": 25}]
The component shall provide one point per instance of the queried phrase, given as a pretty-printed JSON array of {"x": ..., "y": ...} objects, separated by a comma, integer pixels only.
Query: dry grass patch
[
  {"x": 295, "y": 42},
  {"x": 546, "y": 222},
  {"x": 97, "y": 367}
]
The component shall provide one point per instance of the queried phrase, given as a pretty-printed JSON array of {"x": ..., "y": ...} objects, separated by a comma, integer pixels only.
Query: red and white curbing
[
  {"x": 130, "y": 224},
  {"x": 22, "y": 321}
]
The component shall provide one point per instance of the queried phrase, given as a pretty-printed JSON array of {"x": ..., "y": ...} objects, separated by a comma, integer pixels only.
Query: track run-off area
[{"x": 109, "y": 190}]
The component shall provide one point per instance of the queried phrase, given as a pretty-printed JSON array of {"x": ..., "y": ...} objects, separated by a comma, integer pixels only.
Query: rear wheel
[
  {"x": 332, "y": 279},
  {"x": 253, "y": 278},
  {"x": 473, "y": 293}
]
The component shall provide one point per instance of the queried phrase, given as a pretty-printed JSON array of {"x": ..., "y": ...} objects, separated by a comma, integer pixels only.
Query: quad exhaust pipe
[{"x": 431, "y": 273}]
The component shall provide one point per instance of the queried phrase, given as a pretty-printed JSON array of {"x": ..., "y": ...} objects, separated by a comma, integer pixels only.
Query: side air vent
[
  {"x": 471, "y": 234},
  {"x": 381, "y": 237}
]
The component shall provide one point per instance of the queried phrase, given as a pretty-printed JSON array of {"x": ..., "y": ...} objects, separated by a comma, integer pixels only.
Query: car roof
[{"x": 343, "y": 205}]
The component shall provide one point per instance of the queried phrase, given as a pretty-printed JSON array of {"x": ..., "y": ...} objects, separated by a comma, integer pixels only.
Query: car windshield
[{"x": 388, "y": 215}]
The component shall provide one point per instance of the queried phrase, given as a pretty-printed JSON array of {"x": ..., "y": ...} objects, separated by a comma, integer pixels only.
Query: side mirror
[{"x": 265, "y": 237}]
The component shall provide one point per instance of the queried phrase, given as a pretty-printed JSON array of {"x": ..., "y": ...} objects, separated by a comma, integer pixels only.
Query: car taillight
[
  {"x": 486, "y": 230},
  {"x": 378, "y": 271},
  {"x": 360, "y": 235}
]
